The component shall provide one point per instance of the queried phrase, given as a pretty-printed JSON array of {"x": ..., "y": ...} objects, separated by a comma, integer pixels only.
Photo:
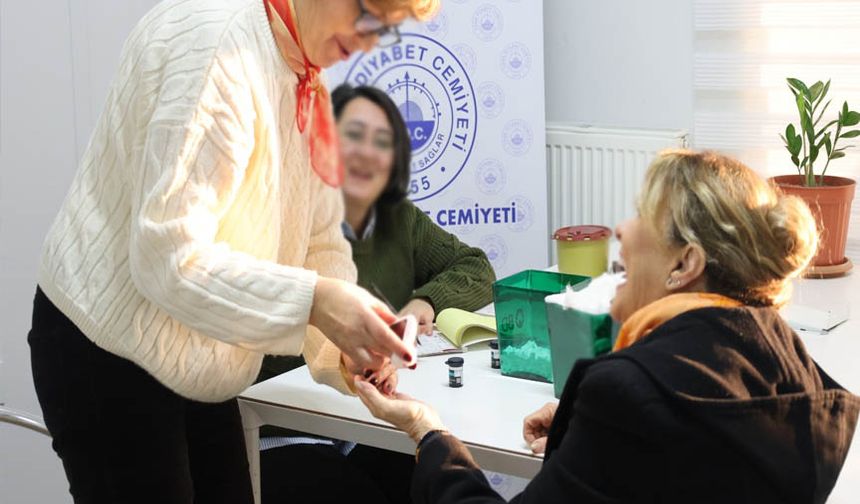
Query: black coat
[{"x": 716, "y": 405}]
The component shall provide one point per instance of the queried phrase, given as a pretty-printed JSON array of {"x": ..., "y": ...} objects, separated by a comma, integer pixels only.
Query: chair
[{"x": 22, "y": 419}]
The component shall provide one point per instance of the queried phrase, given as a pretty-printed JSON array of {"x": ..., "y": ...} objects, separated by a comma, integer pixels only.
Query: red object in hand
[{"x": 407, "y": 329}]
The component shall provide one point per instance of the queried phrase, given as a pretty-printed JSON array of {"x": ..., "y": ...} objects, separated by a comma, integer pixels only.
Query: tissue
[{"x": 594, "y": 299}]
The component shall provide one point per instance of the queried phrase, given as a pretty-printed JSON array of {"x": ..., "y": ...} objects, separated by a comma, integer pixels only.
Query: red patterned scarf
[{"x": 312, "y": 97}]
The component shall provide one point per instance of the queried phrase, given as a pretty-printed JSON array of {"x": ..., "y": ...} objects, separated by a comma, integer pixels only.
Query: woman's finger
[
  {"x": 390, "y": 341},
  {"x": 388, "y": 387},
  {"x": 404, "y": 397},
  {"x": 389, "y": 384},
  {"x": 384, "y": 313},
  {"x": 385, "y": 371},
  {"x": 385, "y": 380},
  {"x": 537, "y": 424},
  {"x": 367, "y": 359},
  {"x": 528, "y": 428},
  {"x": 369, "y": 396},
  {"x": 538, "y": 445}
]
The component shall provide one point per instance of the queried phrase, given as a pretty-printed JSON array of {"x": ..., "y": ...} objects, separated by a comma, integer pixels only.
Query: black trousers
[
  {"x": 319, "y": 474},
  {"x": 122, "y": 436}
]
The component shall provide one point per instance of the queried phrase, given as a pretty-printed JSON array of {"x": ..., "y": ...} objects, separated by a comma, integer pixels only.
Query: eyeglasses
[
  {"x": 368, "y": 24},
  {"x": 355, "y": 135}
]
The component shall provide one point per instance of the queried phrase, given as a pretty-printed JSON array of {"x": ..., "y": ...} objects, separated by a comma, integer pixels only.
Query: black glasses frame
[{"x": 367, "y": 24}]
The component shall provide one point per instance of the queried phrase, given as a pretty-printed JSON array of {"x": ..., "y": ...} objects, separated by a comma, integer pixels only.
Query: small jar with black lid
[{"x": 455, "y": 372}]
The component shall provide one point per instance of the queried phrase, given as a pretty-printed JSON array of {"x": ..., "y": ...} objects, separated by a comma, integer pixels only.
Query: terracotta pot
[{"x": 831, "y": 205}]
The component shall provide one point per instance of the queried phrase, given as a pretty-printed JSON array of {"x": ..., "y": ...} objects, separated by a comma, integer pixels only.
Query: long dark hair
[{"x": 398, "y": 182}]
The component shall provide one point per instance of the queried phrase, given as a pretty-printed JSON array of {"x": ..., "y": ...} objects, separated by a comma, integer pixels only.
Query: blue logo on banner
[
  {"x": 437, "y": 27},
  {"x": 491, "y": 99},
  {"x": 436, "y": 98},
  {"x": 517, "y": 137},
  {"x": 496, "y": 249},
  {"x": 490, "y": 176},
  {"x": 421, "y": 129},
  {"x": 524, "y": 214},
  {"x": 467, "y": 57},
  {"x": 516, "y": 60},
  {"x": 487, "y": 22},
  {"x": 467, "y": 212}
]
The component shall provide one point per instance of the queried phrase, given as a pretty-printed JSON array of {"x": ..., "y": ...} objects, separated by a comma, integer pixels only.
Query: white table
[
  {"x": 838, "y": 353},
  {"x": 487, "y": 412}
]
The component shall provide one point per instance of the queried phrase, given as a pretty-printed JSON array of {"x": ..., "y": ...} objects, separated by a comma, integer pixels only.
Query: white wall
[
  {"x": 619, "y": 62},
  {"x": 36, "y": 159},
  {"x": 51, "y": 89}
]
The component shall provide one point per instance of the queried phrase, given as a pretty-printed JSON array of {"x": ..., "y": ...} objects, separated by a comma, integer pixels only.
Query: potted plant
[{"x": 829, "y": 197}]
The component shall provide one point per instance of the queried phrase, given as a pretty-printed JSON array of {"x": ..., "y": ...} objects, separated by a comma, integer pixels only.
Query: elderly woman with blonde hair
[{"x": 708, "y": 395}]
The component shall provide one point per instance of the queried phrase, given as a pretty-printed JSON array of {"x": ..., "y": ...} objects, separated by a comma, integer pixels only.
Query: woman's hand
[
  {"x": 357, "y": 323},
  {"x": 385, "y": 379},
  {"x": 423, "y": 312},
  {"x": 536, "y": 427},
  {"x": 412, "y": 417}
]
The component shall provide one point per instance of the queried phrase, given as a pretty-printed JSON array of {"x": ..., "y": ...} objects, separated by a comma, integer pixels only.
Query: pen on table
[{"x": 378, "y": 293}]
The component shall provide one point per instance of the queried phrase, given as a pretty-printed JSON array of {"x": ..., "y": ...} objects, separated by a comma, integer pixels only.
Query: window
[{"x": 744, "y": 50}]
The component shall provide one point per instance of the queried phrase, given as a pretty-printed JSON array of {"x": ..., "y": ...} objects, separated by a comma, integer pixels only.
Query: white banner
[{"x": 470, "y": 85}]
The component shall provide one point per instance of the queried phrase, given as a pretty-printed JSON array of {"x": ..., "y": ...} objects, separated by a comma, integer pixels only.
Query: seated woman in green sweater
[
  {"x": 418, "y": 266},
  {"x": 402, "y": 254}
]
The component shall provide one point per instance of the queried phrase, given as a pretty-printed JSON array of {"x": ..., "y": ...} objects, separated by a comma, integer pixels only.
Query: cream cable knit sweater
[{"x": 193, "y": 232}]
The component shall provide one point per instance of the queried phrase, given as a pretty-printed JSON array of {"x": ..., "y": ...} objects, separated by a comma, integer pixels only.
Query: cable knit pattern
[
  {"x": 191, "y": 236},
  {"x": 409, "y": 256}
]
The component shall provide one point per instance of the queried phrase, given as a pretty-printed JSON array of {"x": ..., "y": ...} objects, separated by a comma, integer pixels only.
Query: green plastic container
[
  {"x": 524, "y": 345},
  {"x": 575, "y": 335}
]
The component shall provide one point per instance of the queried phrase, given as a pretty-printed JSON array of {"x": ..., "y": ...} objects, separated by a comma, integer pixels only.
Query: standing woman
[{"x": 201, "y": 231}]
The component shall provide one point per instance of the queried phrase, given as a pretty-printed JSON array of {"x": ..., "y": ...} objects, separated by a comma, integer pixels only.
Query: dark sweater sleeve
[
  {"x": 604, "y": 455},
  {"x": 446, "y": 472},
  {"x": 447, "y": 271}
]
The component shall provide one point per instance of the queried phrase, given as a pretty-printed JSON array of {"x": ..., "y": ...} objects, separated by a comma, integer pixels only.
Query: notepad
[
  {"x": 457, "y": 329},
  {"x": 465, "y": 328}
]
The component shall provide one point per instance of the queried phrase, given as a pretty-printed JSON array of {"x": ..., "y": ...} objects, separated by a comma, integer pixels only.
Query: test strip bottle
[
  {"x": 455, "y": 372},
  {"x": 495, "y": 362}
]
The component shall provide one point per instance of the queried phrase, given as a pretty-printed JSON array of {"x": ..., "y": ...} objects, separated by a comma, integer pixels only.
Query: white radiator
[{"x": 594, "y": 173}]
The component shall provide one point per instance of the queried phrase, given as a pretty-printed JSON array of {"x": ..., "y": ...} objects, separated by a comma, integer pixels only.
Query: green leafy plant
[{"x": 812, "y": 143}]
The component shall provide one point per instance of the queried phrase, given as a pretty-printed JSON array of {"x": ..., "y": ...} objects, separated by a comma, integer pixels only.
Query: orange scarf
[
  {"x": 650, "y": 316},
  {"x": 312, "y": 97}
]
